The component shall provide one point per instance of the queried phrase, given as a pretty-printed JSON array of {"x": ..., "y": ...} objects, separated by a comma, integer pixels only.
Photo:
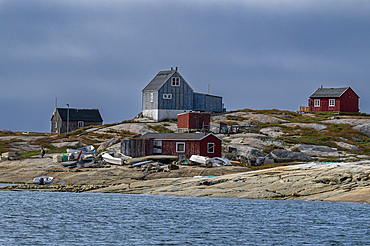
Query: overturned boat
[
  {"x": 45, "y": 180},
  {"x": 160, "y": 158},
  {"x": 210, "y": 162},
  {"x": 114, "y": 158}
]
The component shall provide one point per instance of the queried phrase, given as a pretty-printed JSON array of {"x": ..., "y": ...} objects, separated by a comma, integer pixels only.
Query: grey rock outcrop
[
  {"x": 280, "y": 155},
  {"x": 74, "y": 144},
  {"x": 365, "y": 128},
  {"x": 348, "y": 146},
  {"x": 272, "y": 132},
  {"x": 108, "y": 143},
  {"x": 314, "y": 150},
  {"x": 314, "y": 126}
]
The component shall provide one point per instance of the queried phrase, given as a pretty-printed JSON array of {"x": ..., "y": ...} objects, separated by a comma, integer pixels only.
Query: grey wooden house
[
  {"x": 77, "y": 118},
  {"x": 168, "y": 94}
]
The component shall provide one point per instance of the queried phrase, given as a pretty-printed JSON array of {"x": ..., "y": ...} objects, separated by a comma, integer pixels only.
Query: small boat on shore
[
  {"x": 45, "y": 180},
  {"x": 114, "y": 158}
]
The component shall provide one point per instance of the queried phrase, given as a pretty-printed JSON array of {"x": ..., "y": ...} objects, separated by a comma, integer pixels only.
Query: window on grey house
[{"x": 175, "y": 81}]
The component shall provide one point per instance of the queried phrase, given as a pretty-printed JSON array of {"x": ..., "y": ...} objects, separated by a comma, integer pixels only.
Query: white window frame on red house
[
  {"x": 178, "y": 149},
  {"x": 317, "y": 103},
  {"x": 175, "y": 81},
  {"x": 331, "y": 102},
  {"x": 212, "y": 147}
]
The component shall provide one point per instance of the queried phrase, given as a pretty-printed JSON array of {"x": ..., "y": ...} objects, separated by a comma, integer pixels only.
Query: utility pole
[{"x": 67, "y": 119}]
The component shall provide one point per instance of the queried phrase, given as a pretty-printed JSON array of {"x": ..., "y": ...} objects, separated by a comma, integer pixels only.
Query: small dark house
[
  {"x": 334, "y": 100},
  {"x": 183, "y": 145},
  {"x": 77, "y": 118},
  {"x": 194, "y": 121}
]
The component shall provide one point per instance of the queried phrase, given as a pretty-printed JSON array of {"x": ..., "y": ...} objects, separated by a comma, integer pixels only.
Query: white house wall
[{"x": 162, "y": 114}]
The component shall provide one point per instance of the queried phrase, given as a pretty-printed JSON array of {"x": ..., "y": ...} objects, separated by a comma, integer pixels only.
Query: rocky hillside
[{"x": 275, "y": 137}]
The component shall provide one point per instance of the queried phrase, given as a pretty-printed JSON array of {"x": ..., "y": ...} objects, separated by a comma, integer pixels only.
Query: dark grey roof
[
  {"x": 91, "y": 115},
  {"x": 329, "y": 92},
  {"x": 158, "y": 81},
  {"x": 208, "y": 95},
  {"x": 175, "y": 136}
]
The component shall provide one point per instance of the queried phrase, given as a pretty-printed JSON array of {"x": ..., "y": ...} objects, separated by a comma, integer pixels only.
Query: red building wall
[
  {"x": 349, "y": 102},
  {"x": 204, "y": 145},
  {"x": 193, "y": 147},
  {"x": 324, "y": 105},
  {"x": 192, "y": 120}
]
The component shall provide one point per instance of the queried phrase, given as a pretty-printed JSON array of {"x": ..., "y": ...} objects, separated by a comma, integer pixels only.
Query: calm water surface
[{"x": 36, "y": 218}]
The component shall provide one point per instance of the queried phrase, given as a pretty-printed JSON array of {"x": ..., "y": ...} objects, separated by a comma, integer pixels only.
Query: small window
[
  {"x": 56, "y": 125},
  {"x": 180, "y": 147},
  {"x": 317, "y": 103},
  {"x": 331, "y": 102},
  {"x": 80, "y": 124},
  {"x": 167, "y": 96},
  {"x": 210, "y": 148},
  {"x": 175, "y": 81},
  {"x": 151, "y": 97}
]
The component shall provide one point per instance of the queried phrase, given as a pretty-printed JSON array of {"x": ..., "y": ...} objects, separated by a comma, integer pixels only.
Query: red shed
[
  {"x": 334, "y": 100},
  {"x": 193, "y": 120},
  {"x": 180, "y": 144}
]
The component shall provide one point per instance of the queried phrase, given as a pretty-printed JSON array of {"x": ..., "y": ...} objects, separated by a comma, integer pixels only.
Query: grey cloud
[{"x": 101, "y": 54}]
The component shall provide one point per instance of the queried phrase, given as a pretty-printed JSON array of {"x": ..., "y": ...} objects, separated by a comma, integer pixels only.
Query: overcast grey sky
[{"x": 258, "y": 54}]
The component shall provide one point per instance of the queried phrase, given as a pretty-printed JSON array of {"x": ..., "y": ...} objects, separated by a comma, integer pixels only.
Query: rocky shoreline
[
  {"x": 278, "y": 138},
  {"x": 331, "y": 182}
]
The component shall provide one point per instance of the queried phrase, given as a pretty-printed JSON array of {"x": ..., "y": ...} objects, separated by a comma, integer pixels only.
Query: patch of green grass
[
  {"x": 101, "y": 135},
  {"x": 354, "y": 113},
  {"x": 25, "y": 155},
  {"x": 160, "y": 129},
  {"x": 235, "y": 118},
  {"x": 230, "y": 123},
  {"x": 127, "y": 121},
  {"x": 270, "y": 148}
]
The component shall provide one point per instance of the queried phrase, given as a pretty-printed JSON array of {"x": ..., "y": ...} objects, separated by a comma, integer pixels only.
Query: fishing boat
[{"x": 45, "y": 180}]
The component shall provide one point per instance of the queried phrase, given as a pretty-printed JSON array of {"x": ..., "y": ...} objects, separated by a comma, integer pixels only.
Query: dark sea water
[{"x": 40, "y": 218}]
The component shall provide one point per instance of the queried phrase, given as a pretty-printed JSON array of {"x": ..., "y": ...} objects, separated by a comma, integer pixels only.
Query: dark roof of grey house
[
  {"x": 329, "y": 92},
  {"x": 91, "y": 115},
  {"x": 177, "y": 136},
  {"x": 207, "y": 95},
  {"x": 160, "y": 79}
]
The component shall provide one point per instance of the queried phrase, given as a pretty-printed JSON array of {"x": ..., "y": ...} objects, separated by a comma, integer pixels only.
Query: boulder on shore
[
  {"x": 314, "y": 150},
  {"x": 365, "y": 129},
  {"x": 281, "y": 155}
]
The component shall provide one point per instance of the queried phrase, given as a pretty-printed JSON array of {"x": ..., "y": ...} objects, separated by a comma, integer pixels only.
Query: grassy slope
[{"x": 294, "y": 135}]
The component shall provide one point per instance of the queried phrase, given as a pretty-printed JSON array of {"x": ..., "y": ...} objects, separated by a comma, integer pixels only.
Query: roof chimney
[
  {"x": 176, "y": 68},
  {"x": 321, "y": 86},
  {"x": 171, "y": 68}
]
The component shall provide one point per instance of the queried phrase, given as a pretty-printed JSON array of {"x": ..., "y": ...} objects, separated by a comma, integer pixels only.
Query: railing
[{"x": 303, "y": 109}]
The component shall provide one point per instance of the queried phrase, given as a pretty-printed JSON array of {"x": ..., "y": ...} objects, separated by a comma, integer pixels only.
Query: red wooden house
[
  {"x": 183, "y": 145},
  {"x": 334, "y": 100},
  {"x": 193, "y": 121}
]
